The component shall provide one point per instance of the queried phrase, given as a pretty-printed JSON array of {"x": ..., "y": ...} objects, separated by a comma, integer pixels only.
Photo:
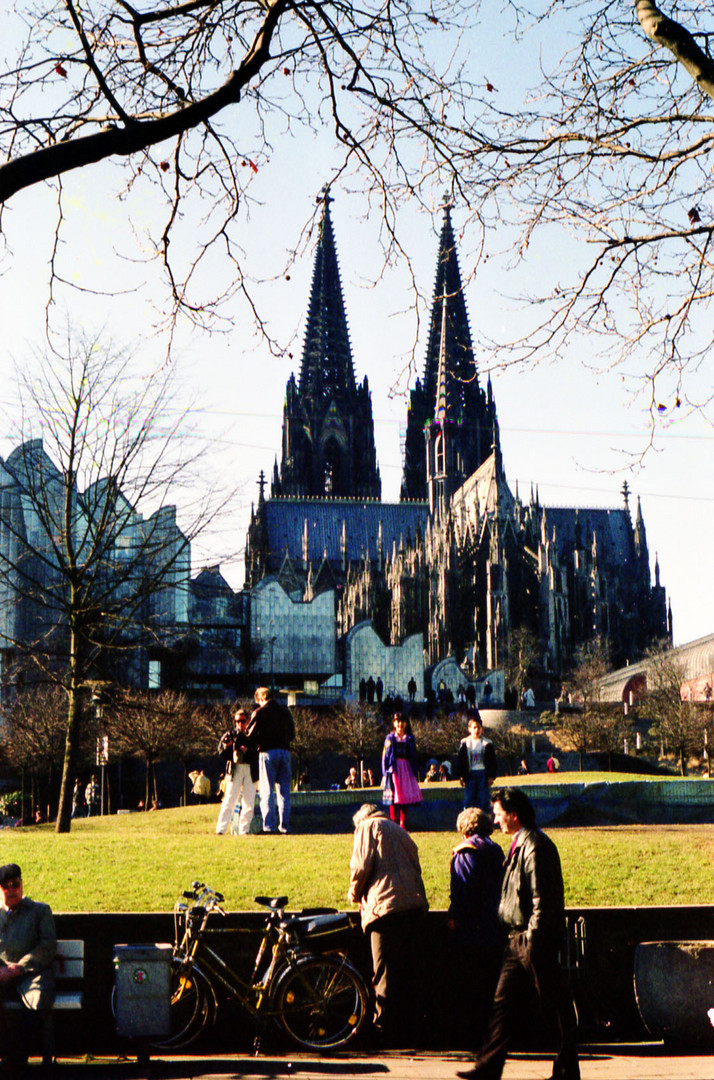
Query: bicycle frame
[
  {"x": 192, "y": 950},
  {"x": 252, "y": 994}
]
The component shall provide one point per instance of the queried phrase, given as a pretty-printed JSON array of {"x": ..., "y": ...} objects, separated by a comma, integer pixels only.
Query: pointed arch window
[{"x": 440, "y": 454}]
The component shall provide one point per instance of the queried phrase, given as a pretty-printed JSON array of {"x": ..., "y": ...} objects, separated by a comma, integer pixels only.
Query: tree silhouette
[
  {"x": 678, "y": 724},
  {"x": 155, "y": 728},
  {"x": 87, "y": 582}
]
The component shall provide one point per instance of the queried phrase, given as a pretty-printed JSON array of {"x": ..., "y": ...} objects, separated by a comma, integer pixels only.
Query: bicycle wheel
[
  {"x": 193, "y": 1006},
  {"x": 321, "y": 1002}
]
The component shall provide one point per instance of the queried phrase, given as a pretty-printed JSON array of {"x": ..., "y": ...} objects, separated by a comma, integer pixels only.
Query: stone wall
[{"x": 600, "y": 954}]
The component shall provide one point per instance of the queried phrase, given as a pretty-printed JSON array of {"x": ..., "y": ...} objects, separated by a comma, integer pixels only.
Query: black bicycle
[{"x": 320, "y": 1000}]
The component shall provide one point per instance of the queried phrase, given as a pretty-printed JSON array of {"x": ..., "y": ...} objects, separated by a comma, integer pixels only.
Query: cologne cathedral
[{"x": 460, "y": 560}]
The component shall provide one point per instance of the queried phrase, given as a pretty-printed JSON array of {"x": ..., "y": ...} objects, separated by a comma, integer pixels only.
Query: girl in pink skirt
[{"x": 399, "y": 770}]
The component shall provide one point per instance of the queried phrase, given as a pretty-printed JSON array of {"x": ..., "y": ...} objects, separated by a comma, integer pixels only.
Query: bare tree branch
[{"x": 664, "y": 31}]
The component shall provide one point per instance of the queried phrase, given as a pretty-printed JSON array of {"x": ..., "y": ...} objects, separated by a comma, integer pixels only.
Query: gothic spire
[
  {"x": 328, "y": 428},
  {"x": 327, "y": 369},
  {"x": 442, "y": 396},
  {"x": 450, "y": 380},
  {"x": 448, "y": 291}
]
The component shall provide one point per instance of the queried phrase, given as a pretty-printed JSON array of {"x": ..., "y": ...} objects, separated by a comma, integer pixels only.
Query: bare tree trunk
[{"x": 64, "y": 810}]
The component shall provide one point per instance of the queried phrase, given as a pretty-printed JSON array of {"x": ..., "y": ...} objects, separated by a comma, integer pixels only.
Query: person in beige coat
[{"x": 386, "y": 882}]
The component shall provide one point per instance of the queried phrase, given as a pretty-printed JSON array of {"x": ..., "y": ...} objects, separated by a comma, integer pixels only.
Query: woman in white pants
[{"x": 241, "y": 776}]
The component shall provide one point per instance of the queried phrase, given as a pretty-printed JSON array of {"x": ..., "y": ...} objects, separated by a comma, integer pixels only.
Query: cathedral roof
[
  {"x": 487, "y": 488},
  {"x": 285, "y": 520},
  {"x": 575, "y": 527}
]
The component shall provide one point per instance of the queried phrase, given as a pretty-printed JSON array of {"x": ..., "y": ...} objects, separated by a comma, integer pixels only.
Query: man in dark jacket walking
[
  {"x": 271, "y": 732},
  {"x": 532, "y": 912}
]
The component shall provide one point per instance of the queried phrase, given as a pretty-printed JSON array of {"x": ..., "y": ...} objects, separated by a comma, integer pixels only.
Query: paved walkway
[{"x": 642, "y": 1062}]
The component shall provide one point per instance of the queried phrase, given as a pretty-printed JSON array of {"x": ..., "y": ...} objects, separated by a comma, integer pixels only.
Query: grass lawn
[{"x": 141, "y": 862}]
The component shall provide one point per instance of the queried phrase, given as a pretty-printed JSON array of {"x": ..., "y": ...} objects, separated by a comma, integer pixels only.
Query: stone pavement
[{"x": 639, "y": 1062}]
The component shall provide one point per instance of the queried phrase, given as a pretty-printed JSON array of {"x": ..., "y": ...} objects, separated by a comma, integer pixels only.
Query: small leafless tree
[
  {"x": 611, "y": 727},
  {"x": 511, "y": 743},
  {"x": 678, "y": 724},
  {"x": 154, "y": 728},
  {"x": 314, "y": 735},
  {"x": 522, "y": 655},
  {"x": 578, "y": 728},
  {"x": 32, "y": 737},
  {"x": 358, "y": 731},
  {"x": 440, "y": 738},
  {"x": 85, "y": 579},
  {"x": 592, "y": 663}
]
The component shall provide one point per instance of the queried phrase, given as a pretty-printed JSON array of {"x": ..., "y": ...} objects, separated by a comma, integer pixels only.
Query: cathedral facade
[{"x": 460, "y": 562}]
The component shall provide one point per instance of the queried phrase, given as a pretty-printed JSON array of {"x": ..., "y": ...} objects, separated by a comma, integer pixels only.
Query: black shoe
[{"x": 467, "y": 1074}]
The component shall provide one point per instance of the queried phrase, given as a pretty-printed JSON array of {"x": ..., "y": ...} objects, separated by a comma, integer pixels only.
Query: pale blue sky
[{"x": 564, "y": 427}]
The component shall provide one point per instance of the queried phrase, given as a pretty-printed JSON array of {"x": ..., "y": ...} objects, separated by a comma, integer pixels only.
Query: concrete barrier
[{"x": 642, "y": 802}]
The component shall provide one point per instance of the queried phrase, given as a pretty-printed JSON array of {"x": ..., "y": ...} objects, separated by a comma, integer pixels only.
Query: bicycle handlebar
[{"x": 204, "y": 896}]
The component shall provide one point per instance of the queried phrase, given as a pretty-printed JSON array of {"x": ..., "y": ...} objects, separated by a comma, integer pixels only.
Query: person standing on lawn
[
  {"x": 400, "y": 770},
  {"x": 241, "y": 775},
  {"x": 272, "y": 731},
  {"x": 476, "y": 766}
]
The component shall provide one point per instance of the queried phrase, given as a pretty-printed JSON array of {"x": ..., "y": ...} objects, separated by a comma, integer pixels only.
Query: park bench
[{"x": 69, "y": 975}]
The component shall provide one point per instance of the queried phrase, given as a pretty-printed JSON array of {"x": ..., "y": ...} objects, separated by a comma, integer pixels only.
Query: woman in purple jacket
[{"x": 475, "y": 934}]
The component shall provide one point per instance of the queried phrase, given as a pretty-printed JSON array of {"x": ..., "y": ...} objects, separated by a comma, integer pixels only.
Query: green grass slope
[{"x": 142, "y": 862}]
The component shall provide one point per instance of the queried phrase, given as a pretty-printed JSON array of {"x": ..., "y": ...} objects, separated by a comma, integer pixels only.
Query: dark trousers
[
  {"x": 397, "y": 978},
  {"x": 522, "y": 974},
  {"x": 15, "y": 1038},
  {"x": 469, "y": 987}
]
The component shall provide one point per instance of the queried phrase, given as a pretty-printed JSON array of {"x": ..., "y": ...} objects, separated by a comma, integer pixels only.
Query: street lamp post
[{"x": 102, "y": 755}]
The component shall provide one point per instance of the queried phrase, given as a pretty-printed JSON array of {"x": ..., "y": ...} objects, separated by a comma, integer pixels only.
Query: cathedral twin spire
[
  {"x": 448, "y": 397},
  {"x": 328, "y": 427},
  {"x": 327, "y": 370}
]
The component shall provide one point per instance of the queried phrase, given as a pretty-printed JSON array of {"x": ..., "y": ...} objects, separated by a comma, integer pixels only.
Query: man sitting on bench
[{"x": 28, "y": 945}]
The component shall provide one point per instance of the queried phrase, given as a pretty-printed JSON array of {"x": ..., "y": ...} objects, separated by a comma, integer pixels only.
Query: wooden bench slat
[
  {"x": 69, "y": 964},
  {"x": 71, "y": 949},
  {"x": 69, "y": 969}
]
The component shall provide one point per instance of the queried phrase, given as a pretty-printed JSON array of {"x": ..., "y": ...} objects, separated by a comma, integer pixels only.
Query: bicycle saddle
[
  {"x": 313, "y": 925},
  {"x": 273, "y": 902}
]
